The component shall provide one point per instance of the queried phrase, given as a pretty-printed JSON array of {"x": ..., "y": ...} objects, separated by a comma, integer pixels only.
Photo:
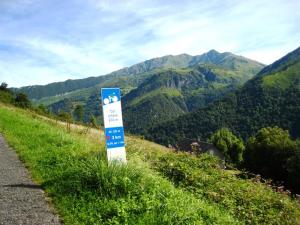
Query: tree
[
  {"x": 267, "y": 152},
  {"x": 230, "y": 145},
  {"x": 3, "y": 86},
  {"x": 78, "y": 113},
  {"x": 93, "y": 121},
  {"x": 6, "y": 95},
  {"x": 42, "y": 109},
  {"x": 22, "y": 100},
  {"x": 293, "y": 168},
  {"x": 66, "y": 117}
]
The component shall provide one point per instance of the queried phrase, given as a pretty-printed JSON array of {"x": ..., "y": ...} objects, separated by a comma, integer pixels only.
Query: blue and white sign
[{"x": 113, "y": 124}]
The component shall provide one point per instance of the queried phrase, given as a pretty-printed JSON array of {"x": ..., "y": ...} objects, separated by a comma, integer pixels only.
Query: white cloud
[
  {"x": 23, "y": 73},
  {"x": 75, "y": 39}
]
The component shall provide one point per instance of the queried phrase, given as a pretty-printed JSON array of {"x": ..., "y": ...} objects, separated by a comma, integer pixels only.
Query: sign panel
[{"x": 113, "y": 124}]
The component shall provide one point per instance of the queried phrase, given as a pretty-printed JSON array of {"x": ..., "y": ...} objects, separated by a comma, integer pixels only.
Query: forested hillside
[
  {"x": 271, "y": 98},
  {"x": 169, "y": 93}
]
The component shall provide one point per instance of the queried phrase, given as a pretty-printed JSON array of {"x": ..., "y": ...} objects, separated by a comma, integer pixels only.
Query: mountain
[
  {"x": 270, "y": 98},
  {"x": 37, "y": 92},
  {"x": 158, "y": 89},
  {"x": 169, "y": 93},
  {"x": 206, "y": 78}
]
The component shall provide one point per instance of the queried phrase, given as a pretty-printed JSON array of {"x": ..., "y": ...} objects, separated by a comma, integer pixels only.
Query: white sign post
[{"x": 113, "y": 124}]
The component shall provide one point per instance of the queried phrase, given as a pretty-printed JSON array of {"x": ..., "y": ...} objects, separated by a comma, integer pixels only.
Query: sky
[{"x": 44, "y": 41}]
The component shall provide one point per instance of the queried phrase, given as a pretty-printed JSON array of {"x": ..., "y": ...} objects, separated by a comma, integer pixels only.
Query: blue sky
[{"x": 43, "y": 41}]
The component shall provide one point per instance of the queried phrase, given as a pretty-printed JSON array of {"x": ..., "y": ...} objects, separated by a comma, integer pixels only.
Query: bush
[
  {"x": 272, "y": 153},
  {"x": 231, "y": 146},
  {"x": 78, "y": 113},
  {"x": 6, "y": 96},
  {"x": 293, "y": 168},
  {"x": 3, "y": 86},
  {"x": 22, "y": 100},
  {"x": 93, "y": 122},
  {"x": 65, "y": 116}
]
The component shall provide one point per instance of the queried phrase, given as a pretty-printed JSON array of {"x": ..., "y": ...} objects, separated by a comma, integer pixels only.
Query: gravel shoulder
[{"x": 22, "y": 202}]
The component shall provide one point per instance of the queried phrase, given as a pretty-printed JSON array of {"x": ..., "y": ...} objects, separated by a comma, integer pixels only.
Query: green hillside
[
  {"x": 37, "y": 92},
  {"x": 163, "y": 94},
  {"x": 272, "y": 98},
  {"x": 283, "y": 79},
  {"x": 173, "y": 92},
  {"x": 157, "y": 186},
  {"x": 153, "y": 108},
  {"x": 81, "y": 91}
]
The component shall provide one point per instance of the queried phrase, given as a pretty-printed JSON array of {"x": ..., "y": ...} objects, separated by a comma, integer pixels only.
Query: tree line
[{"x": 271, "y": 152}]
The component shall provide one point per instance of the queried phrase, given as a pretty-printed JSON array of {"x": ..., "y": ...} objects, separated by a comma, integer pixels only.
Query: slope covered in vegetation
[
  {"x": 272, "y": 98},
  {"x": 213, "y": 74},
  {"x": 165, "y": 93},
  {"x": 169, "y": 93},
  {"x": 157, "y": 186}
]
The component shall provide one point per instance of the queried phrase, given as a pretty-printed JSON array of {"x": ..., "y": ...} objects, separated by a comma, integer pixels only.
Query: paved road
[{"x": 21, "y": 201}]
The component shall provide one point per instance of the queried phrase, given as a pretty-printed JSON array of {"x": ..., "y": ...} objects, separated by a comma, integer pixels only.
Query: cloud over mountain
[{"x": 46, "y": 41}]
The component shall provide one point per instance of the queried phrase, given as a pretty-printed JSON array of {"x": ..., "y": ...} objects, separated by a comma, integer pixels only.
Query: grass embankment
[
  {"x": 85, "y": 190},
  {"x": 156, "y": 187},
  {"x": 249, "y": 201}
]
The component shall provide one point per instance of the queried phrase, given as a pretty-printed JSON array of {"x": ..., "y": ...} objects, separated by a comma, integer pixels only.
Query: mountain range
[
  {"x": 228, "y": 60},
  {"x": 171, "y": 98},
  {"x": 158, "y": 89}
]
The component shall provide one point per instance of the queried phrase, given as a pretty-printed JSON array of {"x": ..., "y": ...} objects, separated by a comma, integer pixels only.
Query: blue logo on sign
[{"x": 110, "y": 95}]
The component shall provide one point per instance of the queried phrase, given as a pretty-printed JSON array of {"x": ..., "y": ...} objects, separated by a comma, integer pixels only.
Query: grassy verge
[{"x": 85, "y": 190}]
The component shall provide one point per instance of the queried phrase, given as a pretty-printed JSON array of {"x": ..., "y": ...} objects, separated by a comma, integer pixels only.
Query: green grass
[
  {"x": 284, "y": 79},
  {"x": 83, "y": 93},
  {"x": 157, "y": 186},
  {"x": 234, "y": 70},
  {"x": 126, "y": 83},
  {"x": 250, "y": 202},
  {"x": 85, "y": 190},
  {"x": 172, "y": 92},
  {"x": 182, "y": 71},
  {"x": 214, "y": 87}
]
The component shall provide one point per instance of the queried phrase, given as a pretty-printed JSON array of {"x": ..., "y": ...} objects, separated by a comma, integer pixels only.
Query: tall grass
[
  {"x": 157, "y": 186},
  {"x": 86, "y": 190},
  {"x": 249, "y": 201}
]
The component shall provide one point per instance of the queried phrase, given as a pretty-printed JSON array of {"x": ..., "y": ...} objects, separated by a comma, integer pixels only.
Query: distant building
[{"x": 199, "y": 147}]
